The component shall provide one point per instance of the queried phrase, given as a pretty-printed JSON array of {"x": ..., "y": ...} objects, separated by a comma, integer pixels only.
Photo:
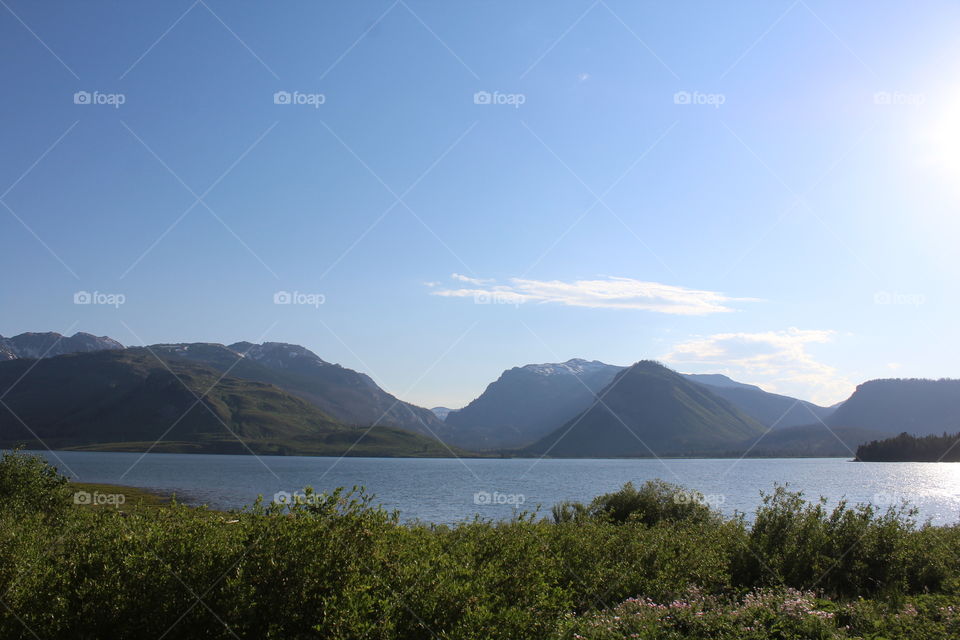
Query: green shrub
[
  {"x": 655, "y": 501},
  {"x": 28, "y": 484},
  {"x": 847, "y": 551},
  {"x": 637, "y": 561}
]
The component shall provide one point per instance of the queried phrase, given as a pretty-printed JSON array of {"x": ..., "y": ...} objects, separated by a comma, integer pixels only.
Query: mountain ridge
[
  {"x": 918, "y": 406},
  {"x": 350, "y": 396},
  {"x": 131, "y": 400},
  {"x": 33, "y": 345},
  {"x": 769, "y": 409}
]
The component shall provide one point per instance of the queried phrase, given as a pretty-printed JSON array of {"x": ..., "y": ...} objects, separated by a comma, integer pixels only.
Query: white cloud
[
  {"x": 776, "y": 361},
  {"x": 608, "y": 293},
  {"x": 477, "y": 281}
]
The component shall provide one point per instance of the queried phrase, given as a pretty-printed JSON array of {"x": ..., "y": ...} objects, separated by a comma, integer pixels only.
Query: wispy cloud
[
  {"x": 777, "y": 361},
  {"x": 607, "y": 293},
  {"x": 477, "y": 281}
]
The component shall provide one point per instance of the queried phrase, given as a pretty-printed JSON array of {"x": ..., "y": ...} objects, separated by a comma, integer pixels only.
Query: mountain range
[
  {"x": 646, "y": 410},
  {"x": 92, "y": 392},
  {"x": 133, "y": 400},
  {"x": 526, "y": 403}
]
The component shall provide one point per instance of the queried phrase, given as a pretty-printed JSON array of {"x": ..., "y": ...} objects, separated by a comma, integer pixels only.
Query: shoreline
[
  {"x": 95, "y": 495},
  {"x": 473, "y": 456}
]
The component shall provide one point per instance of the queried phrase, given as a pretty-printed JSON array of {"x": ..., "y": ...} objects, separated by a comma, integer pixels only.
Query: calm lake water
[{"x": 450, "y": 490}]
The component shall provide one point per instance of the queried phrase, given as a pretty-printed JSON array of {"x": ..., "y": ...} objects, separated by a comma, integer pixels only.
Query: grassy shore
[{"x": 93, "y": 495}]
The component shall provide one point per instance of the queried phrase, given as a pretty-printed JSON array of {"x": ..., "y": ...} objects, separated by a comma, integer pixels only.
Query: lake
[{"x": 448, "y": 490}]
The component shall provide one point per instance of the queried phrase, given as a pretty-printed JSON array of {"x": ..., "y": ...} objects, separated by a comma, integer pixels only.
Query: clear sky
[{"x": 767, "y": 189}]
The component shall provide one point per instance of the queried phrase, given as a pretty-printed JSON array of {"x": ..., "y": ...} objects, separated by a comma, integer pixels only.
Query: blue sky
[{"x": 767, "y": 190}]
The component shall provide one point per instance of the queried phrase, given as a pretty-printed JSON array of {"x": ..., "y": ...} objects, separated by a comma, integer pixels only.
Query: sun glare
[{"x": 940, "y": 139}]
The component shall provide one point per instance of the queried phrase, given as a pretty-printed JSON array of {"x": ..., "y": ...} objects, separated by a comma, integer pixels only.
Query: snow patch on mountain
[
  {"x": 50, "y": 344},
  {"x": 572, "y": 367}
]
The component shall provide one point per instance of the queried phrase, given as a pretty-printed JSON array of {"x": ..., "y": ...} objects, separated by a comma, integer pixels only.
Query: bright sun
[{"x": 940, "y": 140}]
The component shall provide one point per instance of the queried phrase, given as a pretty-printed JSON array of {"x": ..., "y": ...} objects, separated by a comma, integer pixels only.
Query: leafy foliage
[
  {"x": 636, "y": 561},
  {"x": 29, "y": 485},
  {"x": 656, "y": 501},
  {"x": 848, "y": 551}
]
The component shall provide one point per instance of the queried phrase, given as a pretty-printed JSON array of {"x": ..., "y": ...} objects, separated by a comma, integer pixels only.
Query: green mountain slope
[
  {"x": 346, "y": 395},
  {"x": 649, "y": 409},
  {"x": 127, "y": 400},
  {"x": 769, "y": 409}
]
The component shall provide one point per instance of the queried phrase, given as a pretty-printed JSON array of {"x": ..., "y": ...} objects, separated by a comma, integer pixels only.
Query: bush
[
  {"x": 655, "y": 501},
  {"x": 28, "y": 484},
  {"x": 848, "y": 551}
]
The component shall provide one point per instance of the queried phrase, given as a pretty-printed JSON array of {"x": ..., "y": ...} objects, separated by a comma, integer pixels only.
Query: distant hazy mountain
[
  {"x": 812, "y": 440},
  {"x": 525, "y": 403},
  {"x": 127, "y": 400},
  {"x": 918, "y": 407},
  {"x": 441, "y": 412},
  {"x": 50, "y": 344},
  {"x": 649, "y": 409},
  {"x": 346, "y": 395},
  {"x": 769, "y": 409}
]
